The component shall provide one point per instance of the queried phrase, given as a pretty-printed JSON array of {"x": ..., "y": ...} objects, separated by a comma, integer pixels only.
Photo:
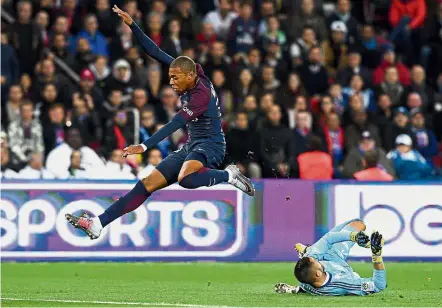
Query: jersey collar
[{"x": 327, "y": 279}]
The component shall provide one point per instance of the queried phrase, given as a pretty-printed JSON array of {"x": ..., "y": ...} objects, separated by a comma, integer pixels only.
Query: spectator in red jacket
[
  {"x": 407, "y": 18},
  {"x": 315, "y": 164},
  {"x": 389, "y": 59}
]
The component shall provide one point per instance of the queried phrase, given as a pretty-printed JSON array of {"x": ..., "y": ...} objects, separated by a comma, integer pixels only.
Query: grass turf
[{"x": 208, "y": 284}]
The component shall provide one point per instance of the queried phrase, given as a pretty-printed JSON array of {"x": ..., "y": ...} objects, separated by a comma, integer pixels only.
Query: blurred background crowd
[{"x": 308, "y": 89}]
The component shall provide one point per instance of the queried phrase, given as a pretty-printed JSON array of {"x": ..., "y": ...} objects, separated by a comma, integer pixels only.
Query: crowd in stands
[{"x": 308, "y": 89}]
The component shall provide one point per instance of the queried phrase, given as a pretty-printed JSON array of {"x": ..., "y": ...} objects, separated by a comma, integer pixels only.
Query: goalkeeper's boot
[
  {"x": 282, "y": 288},
  {"x": 85, "y": 223},
  {"x": 240, "y": 181},
  {"x": 301, "y": 249}
]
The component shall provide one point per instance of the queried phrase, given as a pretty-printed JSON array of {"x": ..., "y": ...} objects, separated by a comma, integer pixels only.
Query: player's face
[{"x": 179, "y": 81}]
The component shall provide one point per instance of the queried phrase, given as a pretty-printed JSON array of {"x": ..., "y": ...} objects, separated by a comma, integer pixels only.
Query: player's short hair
[
  {"x": 304, "y": 270},
  {"x": 371, "y": 158},
  {"x": 186, "y": 64}
]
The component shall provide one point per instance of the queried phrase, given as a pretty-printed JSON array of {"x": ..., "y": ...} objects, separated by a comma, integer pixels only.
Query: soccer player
[
  {"x": 194, "y": 165},
  {"x": 323, "y": 270}
]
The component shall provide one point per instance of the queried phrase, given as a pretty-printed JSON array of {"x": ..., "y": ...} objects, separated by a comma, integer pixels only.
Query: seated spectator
[
  {"x": 9, "y": 64},
  {"x": 354, "y": 160},
  {"x": 389, "y": 60},
  {"x": 384, "y": 115},
  {"x": 89, "y": 87},
  {"x": 122, "y": 79},
  {"x": 269, "y": 81},
  {"x": 154, "y": 85},
  {"x": 300, "y": 105},
  {"x": 250, "y": 107},
  {"x": 174, "y": 43},
  {"x": 392, "y": 87},
  {"x": 407, "y": 19},
  {"x": 60, "y": 49},
  {"x": 53, "y": 128},
  {"x": 7, "y": 169},
  {"x": 59, "y": 159},
  {"x": 419, "y": 85},
  {"x": 277, "y": 146},
  {"x": 121, "y": 41},
  {"x": 154, "y": 158},
  {"x": 221, "y": 19},
  {"x": 357, "y": 86},
  {"x": 26, "y": 134},
  {"x": 314, "y": 164},
  {"x": 107, "y": 21},
  {"x": 111, "y": 106},
  {"x": 433, "y": 44},
  {"x": 225, "y": 96},
  {"x": 119, "y": 133},
  {"x": 361, "y": 124},
  {"x": 117, "y": 168},
  {"x": 169, "y": 104},
  {"x": 287, "y": 97},
  {"x": 84, "y": 56},
  {"x": 326, "y": 108},
  {"x": 343, "y": 13},
  {"x": 426, "y": 142},
  {"x": 371, "y": 46},
  {"x": 274, "y": 57},
  {"x": 139, "y": 99},
  {"x": 371, "y": 170},
  {"x": 190, "y": 21},
  {"x": 243, "y": 145},
  {"x": 245, "y": 87},
  {"x": 251, "y": 62},
  {"x": 336, "y": 49},
  {"x": 399, "y": 126},
  {"x": 414, "y": 100},
  {"x": 48, "y": 98},
  {"x": 101, "y": 70},
  {"x": 87, "y": 120},
  {"x": 354, "y": 67},
  {"x": 216, "y": 59},
  {"x": 267, "y": 10},
  {"x": 35, "y": 169},
  {"x": 308, "y": 15},
  {"x": 408, "y": 162},
  {"x": 300, "y": 47},
  {"x": 206, "y": 37},
  {"x": 96, "y": 40},
  {"x": 334, "y": 138},
  {"x": 273, "y": 34},
  {"x": 313, "y": 74},
  {"x": 303, "y": 130},
  {"x": 136, "y": 62},
  {"x": 338, "y": 98},
  {"x": 243, "y": 31},
  {"x": 355, "y": 105},
  {"x": 11, "y": 112}
]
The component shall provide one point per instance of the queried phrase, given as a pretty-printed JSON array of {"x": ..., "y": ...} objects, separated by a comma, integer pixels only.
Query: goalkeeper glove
[
  {"x": 282, "y": 288},
  {"x": 301, "y": 249},
  {"x": 361, "y": 238},
  {"x": 376, "y": 243}
]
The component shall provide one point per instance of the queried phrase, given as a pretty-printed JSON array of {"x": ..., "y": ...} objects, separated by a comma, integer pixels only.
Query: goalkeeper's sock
[
  {"x": 204, "y": 177},
  {"x": 128, "y": 203}
]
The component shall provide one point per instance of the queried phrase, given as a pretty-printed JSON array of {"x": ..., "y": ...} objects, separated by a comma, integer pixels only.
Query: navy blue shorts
[{"x": 210, "y": 154}]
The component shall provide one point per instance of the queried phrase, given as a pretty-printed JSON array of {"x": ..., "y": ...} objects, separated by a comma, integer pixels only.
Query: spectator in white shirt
[
  {"x": 154, "y": 159},
  {"x": 34, "y": 169},
  {"x": 222, "y": 18},
  {"x": 116, "y": 167},
  {"x": 58, "y": 160}
]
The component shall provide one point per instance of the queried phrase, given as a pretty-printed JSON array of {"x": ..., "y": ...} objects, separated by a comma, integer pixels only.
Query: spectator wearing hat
[
  {"x": 354, "y": 160},
  {"x": 354, "y": 67},
  {"x": 408, "y": 162},
  {"x": 371, "y": 171},
  {"x": 391, "y": 86},
  {"x": 97, "y": 41},
  {"x": 399, "y": 126},
  {"x": 122, "y": 79},
  {"x": 426, "y": 142},
  {"x": 335, "y": 49},
  {"x": 389, "y": 60},
  {"x": 314, "y": 163},
  {"x": 88, "y": 86},
  {"x": 343, "y": 13}
]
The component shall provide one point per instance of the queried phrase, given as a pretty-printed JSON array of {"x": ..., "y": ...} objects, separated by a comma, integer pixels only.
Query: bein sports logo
[{"x": 156, "y": 229}]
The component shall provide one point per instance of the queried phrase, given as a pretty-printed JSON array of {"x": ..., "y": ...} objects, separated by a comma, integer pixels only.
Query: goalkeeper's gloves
[
  {"x": 301, "y": 249},
  {"x": 376, "y": 243},
  {"x": 284, "y": 288},
  {"x": 361, "y": 238}
]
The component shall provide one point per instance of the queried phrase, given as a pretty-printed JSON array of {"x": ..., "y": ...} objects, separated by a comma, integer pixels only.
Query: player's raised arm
[{"x": 148, "y": 45}]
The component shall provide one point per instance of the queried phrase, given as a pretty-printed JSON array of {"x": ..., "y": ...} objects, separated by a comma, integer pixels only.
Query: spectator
[
  {"x": 287, "y": 97},
  {"x": 354, "y": 161},
  {"x": 154, "y": 84},
  {"x": 169, "y": 104},
  {"x": 60, "y": 49},
  {"x": 243, "y": 32},
  {"x": 112, "y": 105},
  {"x": 131, "y": 7},
  {"x": 225, "y": 96},
  {"x": 389, "y": 60},
  {"x": 122, "y": 79},
  {"x": 139, "y": 99},
  {"x": 35, "y": 169},
  {"x": 336, "y": 49},
  {"x": 7, "y": 170},
  {"x": 48, "y": 98},
  {"x": 26, "y": 38},
  {"x": 101, "y": 70},
  {"x": 87, "y": 120},
  {"x": 277, "y": 146},
  {"x": 53, "y": 129},
  {"x": 250, "y": 107},
  {"x": 274, "y": 58},
  {"x": 267, "y": 10},
  {"x": 243, "y": 146},
  {"x": 138, "y": 66},
  {"x": 222, "y": 18},
  {"x": 174, "y": 43},
  {"x": 42, "y": 22},
  {"x": 338, "y": 98},
  {"x": 414, "y": 100},
  {"x": 300, "y": 47},
  {"x": 252, "y": 62},
  {"x": 119, "y": 133},
  {"x": 392, "y": 87},
  {"x": 117, "y": 168},
  {"x": 206, "y": 37},
  {"x": 59, "y": 160},
  {"x": 326, "y": 108},
  {"x": 303, "y": 130},
  {"x": 352, "y": 68},
  {"x": 84, "y": 56},
  {"x": 269, "y": 81},
  {"x": 12, "y": 112},
  {"x": 9, "y": 64},
  {"x": 300, "y": 105},
  {"x": 399, "y": 126},
  {"x": 76, "y": 170},
  {"x": 307, "y": 16},
  {"x": 360, "y": 124},
  {"x": 357, "y": 88},
  {"x": 26, "y": 135},
  {"x": 154, "y": 159},
  {"x": 371, "y": 170},
  {"x": 190, "y": 22},
  {"x": 26, "y": 85},
  {"x": 245, "y": 87},
  {"x": 107, "y": 21},
  {"x": 88, "y": 87},
  {"x": 407, "y": 19},
  {"x": 409, "y": 163},
  {"x": 418, "y": 85},
  {"x": 314, "y": 164},
  {"x": 343, "y": 13},
  {"x": 355, "y": 105},
  {"x": 426, "y": 142},
  {"x": 74, "y": 18},
  {"x": 313, "y": 74},
  {"x": 384, "y": 115},
  {"x": 372, "y": 47},
  {"x": 96, "y": 40},
  {"x": 433, "y": 44},
  {"x": 273, "y": 34},
  {"x": 121, "y": 42},
  {"x": 61, "y": 26},
  {"x": 334, "y": 137},
  {"x": 217, "y": 59}
]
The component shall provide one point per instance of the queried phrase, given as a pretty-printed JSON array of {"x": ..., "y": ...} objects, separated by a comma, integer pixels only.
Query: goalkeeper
[{"x": 323, "y": 270}]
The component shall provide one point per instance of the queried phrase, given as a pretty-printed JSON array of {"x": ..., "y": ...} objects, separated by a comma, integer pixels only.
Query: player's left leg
[{"x": 199, "y": 170}]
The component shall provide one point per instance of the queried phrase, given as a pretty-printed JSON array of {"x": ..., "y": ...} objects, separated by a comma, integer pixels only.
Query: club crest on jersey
[
  {"x": 188, "y": 111},
  {"x": 367, "y": 286}
]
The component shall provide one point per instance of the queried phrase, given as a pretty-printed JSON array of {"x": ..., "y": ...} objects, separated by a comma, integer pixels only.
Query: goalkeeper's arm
[{"x": 379, "y": 273}]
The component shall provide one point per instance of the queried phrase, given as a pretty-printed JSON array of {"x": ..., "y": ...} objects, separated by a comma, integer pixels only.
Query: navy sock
[
  {"x": 128, "y": 203},
  {"x": 204, "y": 177}
]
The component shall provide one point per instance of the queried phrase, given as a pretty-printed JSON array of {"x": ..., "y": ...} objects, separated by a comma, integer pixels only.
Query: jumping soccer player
[
  {"x": 323, "y": 270},
  {"x": 194, "y": 164}
]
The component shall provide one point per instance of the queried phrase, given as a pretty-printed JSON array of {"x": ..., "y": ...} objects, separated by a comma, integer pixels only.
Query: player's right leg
[{"x": 166, "y": 173}]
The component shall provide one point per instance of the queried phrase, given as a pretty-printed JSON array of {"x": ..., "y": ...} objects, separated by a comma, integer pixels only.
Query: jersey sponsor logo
[
  {"x": 367, "y": 286},
  {"x": 188, "y": 111}
]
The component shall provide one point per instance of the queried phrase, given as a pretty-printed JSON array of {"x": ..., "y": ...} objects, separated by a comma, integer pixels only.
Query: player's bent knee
[{"x": 358, "y": 225}]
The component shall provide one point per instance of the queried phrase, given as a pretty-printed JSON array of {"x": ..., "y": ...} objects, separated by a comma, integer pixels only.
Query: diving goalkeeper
[{"x": 323, "y": 270}]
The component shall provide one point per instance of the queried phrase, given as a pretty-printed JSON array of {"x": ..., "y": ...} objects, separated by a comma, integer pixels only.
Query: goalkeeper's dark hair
[
  {"x": 186, "y": 64},
  {"x": 303, "y": 270}
]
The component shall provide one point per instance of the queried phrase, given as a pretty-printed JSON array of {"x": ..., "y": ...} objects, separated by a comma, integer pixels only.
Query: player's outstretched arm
[{"x": 148, "y": 45}]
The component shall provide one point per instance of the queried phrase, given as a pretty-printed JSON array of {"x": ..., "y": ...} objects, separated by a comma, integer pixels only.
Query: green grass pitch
[{"x": 199, "y": 285}]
